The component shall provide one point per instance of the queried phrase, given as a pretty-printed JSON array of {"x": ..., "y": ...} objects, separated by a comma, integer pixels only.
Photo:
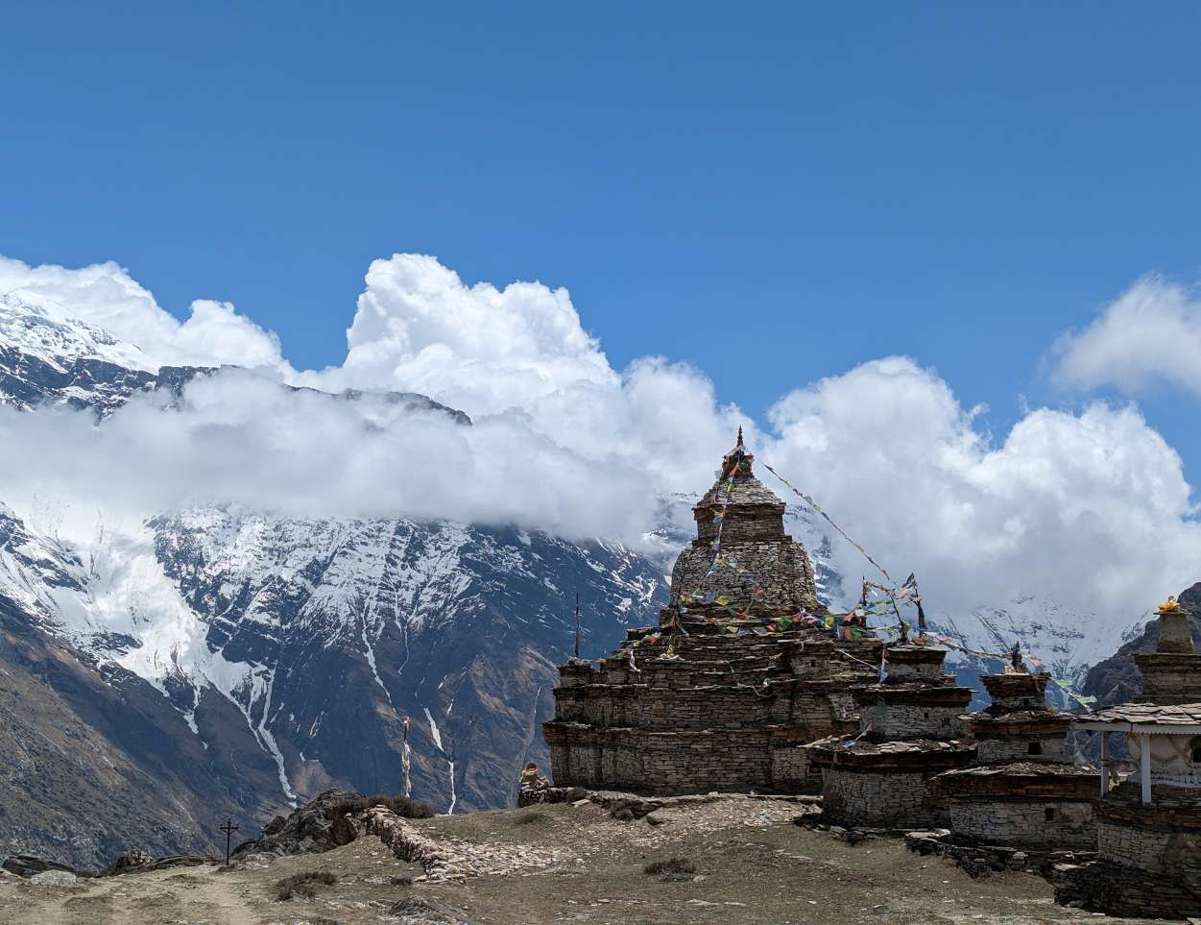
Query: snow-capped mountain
[
  {"x": 221, "y": 661},
  {"x": 245, "y": 660}
]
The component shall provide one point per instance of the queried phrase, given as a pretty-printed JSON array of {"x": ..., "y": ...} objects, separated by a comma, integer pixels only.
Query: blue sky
[{"x": 773, "y": 192}]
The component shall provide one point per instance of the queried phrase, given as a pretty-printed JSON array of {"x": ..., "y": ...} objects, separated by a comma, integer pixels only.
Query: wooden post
[
  {"x": 1104, "y": 764},
  {"x": 1144, "y": 761},
  {"x": 228, "y": 828}
]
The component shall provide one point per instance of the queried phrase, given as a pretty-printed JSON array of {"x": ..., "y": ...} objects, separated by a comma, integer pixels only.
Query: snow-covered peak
[{"x": 42, "y": 329}]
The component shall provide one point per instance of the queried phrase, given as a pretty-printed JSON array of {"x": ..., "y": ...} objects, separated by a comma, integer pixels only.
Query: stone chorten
[
  {"x": 1172, "y": 673},
  {"x": 742, "y": 561},
  {"x": 1149, "y": 826},
  {"x": 736, "y": 677},
  {"x": 909, "y": 731},
  {"x": 1025, "y": 790}
]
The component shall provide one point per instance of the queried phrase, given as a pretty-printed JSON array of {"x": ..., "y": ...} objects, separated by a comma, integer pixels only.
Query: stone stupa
[{"x": 738, "y": 675}]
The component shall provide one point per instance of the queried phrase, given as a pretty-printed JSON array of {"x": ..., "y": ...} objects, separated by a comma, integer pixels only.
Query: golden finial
[{"x": 1170, "y": 606}]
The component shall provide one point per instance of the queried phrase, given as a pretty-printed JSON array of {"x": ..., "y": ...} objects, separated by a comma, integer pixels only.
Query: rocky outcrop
[{"x": 319, "y": 825}]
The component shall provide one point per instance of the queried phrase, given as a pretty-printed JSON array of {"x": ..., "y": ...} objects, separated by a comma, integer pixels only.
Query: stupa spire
[{"x": 737, "y": 463}]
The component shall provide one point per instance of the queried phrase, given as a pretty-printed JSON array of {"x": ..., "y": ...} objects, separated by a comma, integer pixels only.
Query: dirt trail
[{"x": 196, "y": 895}]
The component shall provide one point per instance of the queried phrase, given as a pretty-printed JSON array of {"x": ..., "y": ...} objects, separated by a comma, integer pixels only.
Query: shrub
[
  {"x": 529, "y": 817},
  {"x": 304, "y": 885},
  {"x": 670, "y": 869}
]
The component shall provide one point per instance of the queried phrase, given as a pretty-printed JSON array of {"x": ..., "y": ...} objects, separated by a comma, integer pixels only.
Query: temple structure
[
  {"x": 737, "y": 676},
  {"x": 1149, "y": 826},
  {"x": 909, "y": 731},
  {"x": 1024, "y": 790}
]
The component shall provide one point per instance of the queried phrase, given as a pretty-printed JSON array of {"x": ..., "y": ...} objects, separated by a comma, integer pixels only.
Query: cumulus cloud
[
  {"x": 418, "y": 326},
  {"x": 1149, "y": 336},
  {"x": 522, "y": 350},
  {"x": 1089, "y": 508},
  {"x": 106, "y": 296}
]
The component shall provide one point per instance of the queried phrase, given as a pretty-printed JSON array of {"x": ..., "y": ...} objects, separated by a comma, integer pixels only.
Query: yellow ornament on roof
[{"x": 1170, "y": 606}]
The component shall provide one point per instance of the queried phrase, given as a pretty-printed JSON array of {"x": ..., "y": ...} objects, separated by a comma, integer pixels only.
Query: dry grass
[
  {"x": 672, "y": 869},
  {"x": 303, "y": 885}
]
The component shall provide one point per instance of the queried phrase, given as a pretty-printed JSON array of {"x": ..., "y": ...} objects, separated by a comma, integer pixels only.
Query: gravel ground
[{"x": 751, "y": 865}]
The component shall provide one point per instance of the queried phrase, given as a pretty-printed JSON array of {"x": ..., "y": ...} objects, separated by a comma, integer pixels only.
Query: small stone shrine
[
  {"x": 1024, "y": 791},
  {"x": 1172, "y": 673},
  {"x": 738, "y": 674},
  {"x": 1149, "y": 826},
  {"x": 909, "y": 731}
]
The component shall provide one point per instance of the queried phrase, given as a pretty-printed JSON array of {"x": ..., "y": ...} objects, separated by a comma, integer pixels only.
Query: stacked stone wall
[
  {"x": 791, "y": 770},
  {"x": 901, "y": 721},
  {"x": 926, "y": 672},
  {"x": 880, "y": 799},
  {"x": 773, "y": 576},
  {"x": 645, "y": 707},
  {"x": 1119, "y": 890},
  {"x": 990, "y": 750},
  {"x": 1033, "y": 823},
  {"x": 666, "y": 763},
  {"x": 1153, "y": 850}
]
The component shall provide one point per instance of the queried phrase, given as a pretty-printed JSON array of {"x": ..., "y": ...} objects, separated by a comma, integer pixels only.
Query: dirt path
[{"x": 196, "y": 895}]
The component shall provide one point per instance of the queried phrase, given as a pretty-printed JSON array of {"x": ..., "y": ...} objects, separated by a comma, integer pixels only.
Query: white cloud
[
  {"x": 419, "y": 327},
  {"x": 243, "y": 439},
  {"x": 1151, "y": 335},
  {"x": 106, "y": 296},
  {"x": 1091, "y": 509}
]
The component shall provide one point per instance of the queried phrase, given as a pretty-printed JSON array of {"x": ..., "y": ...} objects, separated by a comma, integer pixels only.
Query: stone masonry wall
[
  {"x": 879, "y": 799},
  {"x": 906, "y": 721},
  {"x": 773, "y": 576},
  {"x": 666, "y": 763},
  {"x": 1158, "y": 852},
  {"x": 1034, "y": 823},
  {"x": 1015, "y": 749},
  {"x": 791, "y": 770}
]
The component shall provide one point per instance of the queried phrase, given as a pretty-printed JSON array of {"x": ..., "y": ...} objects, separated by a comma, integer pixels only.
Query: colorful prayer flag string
[{"x": 814, "y": 506}]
